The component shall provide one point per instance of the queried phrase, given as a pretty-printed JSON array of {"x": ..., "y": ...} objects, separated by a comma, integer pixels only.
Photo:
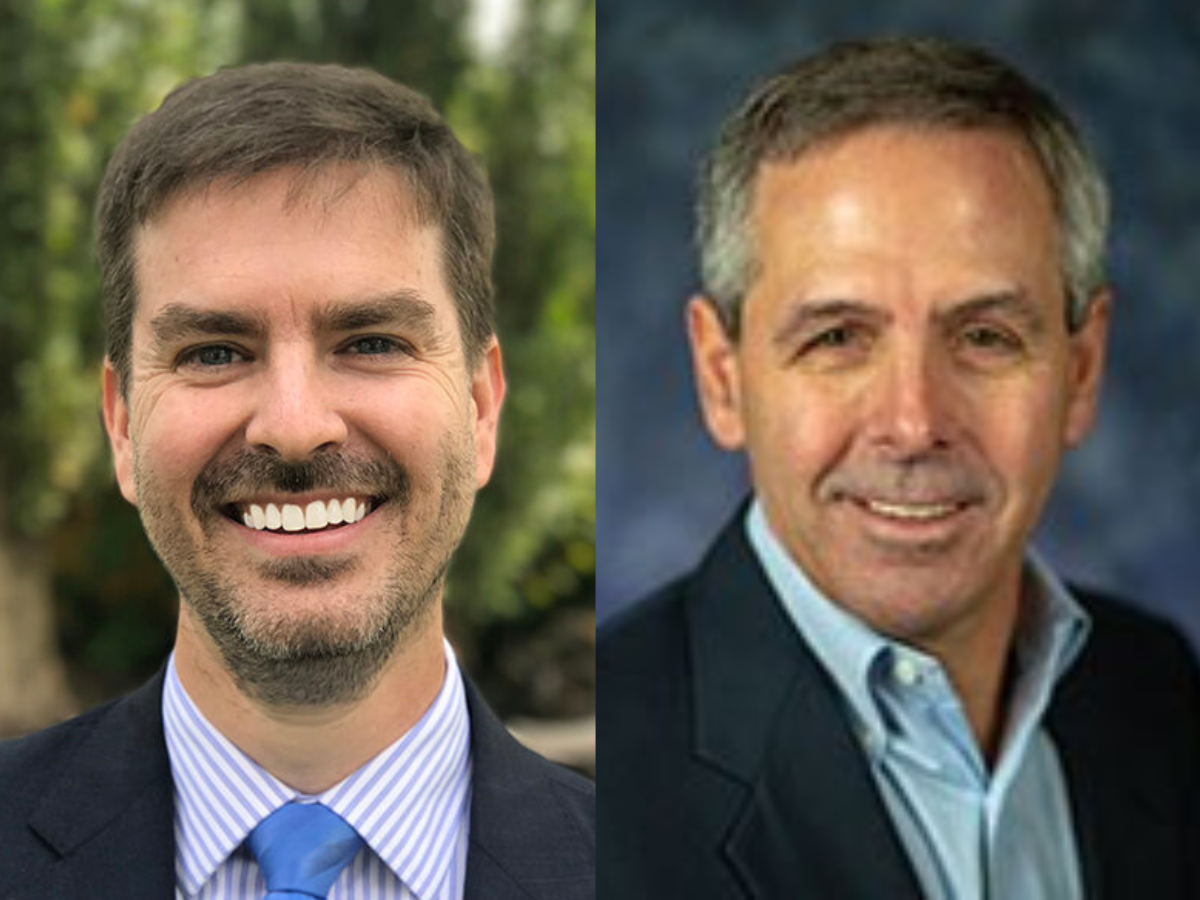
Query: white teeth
[
  {"x": 313, "y": 517},
  {"x": 293, "y": 517},
  {"x": 912, "y": 512}
]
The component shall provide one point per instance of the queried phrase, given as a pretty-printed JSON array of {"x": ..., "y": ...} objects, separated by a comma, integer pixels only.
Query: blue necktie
[{"x": 301, "y": 849}]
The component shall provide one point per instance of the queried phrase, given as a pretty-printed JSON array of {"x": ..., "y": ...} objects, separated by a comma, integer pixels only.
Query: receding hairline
[{"x": 1025, "y": 156}]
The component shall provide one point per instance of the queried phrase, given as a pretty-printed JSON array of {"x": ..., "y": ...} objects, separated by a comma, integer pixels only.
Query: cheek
[
  {"x": 410, "y": 428},
  {"x": 1022, "y": 437},
  {"x": 795, "y": 433},
  {"x": 175, "y": 437}
]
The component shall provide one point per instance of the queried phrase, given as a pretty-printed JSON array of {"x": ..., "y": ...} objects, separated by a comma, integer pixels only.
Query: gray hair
[{"x": 926, "y": 83}]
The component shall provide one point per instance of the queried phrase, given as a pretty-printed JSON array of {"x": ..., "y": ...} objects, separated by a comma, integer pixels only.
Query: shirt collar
[
  {"x": 1051, "y": 632},
  {"x": 407, "y": 803}
]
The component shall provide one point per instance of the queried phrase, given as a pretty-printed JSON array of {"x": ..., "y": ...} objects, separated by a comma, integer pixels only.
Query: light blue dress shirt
[{"x": 1003, "y": 834}]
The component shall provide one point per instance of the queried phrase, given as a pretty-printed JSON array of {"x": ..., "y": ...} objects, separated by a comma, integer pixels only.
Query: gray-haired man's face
[{"x": 904, "y": 382}]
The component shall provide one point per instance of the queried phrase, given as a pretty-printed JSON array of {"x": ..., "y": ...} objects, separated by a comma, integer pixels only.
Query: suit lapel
[
  {"x": 811, "y": 823},
  {"x": 110, "y": 814},
  {"x": 1123, "y": 720},
  {"x": 1068, "y": 726},
  {"x": 524, "y": 842},
  {"x": 1116, "y": 796}
]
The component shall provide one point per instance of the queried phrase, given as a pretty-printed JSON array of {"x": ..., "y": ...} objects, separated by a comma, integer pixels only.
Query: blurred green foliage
[{"x": 75, "y": 74}]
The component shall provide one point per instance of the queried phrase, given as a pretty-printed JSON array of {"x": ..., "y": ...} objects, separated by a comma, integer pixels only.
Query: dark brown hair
[{"x": 241, "y": 122}]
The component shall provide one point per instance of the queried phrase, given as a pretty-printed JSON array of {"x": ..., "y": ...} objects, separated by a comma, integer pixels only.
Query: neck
[
  {"x": 976, "y": 661},
  {"x": 313, "y": 748}
]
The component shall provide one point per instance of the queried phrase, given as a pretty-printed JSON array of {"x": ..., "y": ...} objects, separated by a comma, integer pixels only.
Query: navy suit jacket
[
  {"x": 87, "y": 811},
  {"x": 730, "y": 771}
]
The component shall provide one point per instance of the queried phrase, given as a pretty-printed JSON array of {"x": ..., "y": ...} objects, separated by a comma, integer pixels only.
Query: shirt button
[
  {"x": 906, "y": 671},
  {"x": 871, "y": 743}
]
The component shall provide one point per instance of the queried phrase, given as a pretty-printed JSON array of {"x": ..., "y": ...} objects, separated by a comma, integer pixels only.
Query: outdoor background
[
  {"x": 85, "y": 609},
  {"x": 1127, "y": 515}
]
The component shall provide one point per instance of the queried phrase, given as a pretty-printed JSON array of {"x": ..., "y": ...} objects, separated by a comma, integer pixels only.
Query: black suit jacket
[
  {"x": 87, "y": 809},
  {"x": 729, "y": 769}
]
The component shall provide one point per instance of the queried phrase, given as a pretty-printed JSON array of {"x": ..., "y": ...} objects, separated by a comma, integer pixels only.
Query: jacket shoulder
[
  {"x": 29, "y": 764},
  {"x": 31, "y": 769},
  {"x": 533, "y": 822},
  {"x": 645, "y": 627},
  {"x": 1125, "y": 634},
  {"x": 1136, "y": 669},
  {"x": 644, "y": 673},
  {"x": 1126, "y": 722},
  {"x": 575, "y": 794}
]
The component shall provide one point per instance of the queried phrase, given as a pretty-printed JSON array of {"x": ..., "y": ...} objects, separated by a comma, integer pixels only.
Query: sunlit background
[{"x": 85, "y": 609}]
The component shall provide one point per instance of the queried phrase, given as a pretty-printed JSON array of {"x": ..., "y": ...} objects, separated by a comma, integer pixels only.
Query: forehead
[
  {"x": 890, "y": 164},
  {"x": 908, "y": 200},
  {"x": 284, "y": 243}
]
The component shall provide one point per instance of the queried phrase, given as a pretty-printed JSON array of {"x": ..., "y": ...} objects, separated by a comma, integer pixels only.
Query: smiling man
[
  {"x": 302, "y": 393},
  {"x": 872, "y": 686}
]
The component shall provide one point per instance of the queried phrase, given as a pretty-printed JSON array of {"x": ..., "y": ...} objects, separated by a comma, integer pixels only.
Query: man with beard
[
  {"x": 871, "y": 687},
  {"x": 302, "y": 390}
]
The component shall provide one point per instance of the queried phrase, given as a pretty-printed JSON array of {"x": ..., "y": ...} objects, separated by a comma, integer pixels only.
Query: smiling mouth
[
  {"x": 911, "y": 512},
  {"x": 294, "y": 518}
]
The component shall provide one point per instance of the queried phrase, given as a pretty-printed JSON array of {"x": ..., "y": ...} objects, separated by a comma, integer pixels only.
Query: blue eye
[
  {"x": 210, "y": 356},
  {"x": 376, "y": 346}
]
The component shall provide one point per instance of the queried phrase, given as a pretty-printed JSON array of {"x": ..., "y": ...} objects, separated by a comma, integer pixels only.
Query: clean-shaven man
[
  {"x": 872, "y": 687},
  {"x": 302, "y": 391}
]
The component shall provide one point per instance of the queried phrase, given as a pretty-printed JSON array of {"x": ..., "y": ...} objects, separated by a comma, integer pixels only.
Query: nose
[
  {"x": 295, "y": 410},
  {"x": 911, "y": 407}
]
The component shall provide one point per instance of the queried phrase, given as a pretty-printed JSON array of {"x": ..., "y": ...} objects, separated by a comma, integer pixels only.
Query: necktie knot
[{"x": 301, "y": 849}]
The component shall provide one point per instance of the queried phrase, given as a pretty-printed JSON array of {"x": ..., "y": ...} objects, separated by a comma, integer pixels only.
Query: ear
[
  {"x": 1088, "y": 348},
  {"x": 718, "y": 378},
  {"x": 116, "y": 423},
  {"x": 487, "y": 394}
]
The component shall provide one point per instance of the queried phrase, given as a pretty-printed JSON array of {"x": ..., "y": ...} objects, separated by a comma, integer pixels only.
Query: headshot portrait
[
  {"x": 303, "y": 392},
  {"x": 872, "y": 682},
  {"x": 1123, "y": 513}
]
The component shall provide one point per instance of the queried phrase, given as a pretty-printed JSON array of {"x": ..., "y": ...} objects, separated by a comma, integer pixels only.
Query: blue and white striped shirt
[{"x": 411, "y": 805}]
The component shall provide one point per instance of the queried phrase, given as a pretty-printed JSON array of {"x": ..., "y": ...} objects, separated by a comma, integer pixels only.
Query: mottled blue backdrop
[{"x": 1127, "y": 512}]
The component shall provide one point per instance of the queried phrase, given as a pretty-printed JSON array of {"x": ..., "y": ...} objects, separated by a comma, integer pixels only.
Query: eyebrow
[
  {"x": 804, "y": 316},
  {"x": 1013, "y": 304},
  {"x": 177, "y": 321},
  {"x": 405, "y": 309}
]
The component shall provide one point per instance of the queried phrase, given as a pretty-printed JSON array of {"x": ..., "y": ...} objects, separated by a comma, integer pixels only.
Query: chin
[
  {"x": 311, "y": 625},
  {"x": 913, "y": 608}
]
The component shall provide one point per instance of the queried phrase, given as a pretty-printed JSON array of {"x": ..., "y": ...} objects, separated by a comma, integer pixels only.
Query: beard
[{"x": 290, "y": 655}]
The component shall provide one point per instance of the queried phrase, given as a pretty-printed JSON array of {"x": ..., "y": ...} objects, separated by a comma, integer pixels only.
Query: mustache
[
  {"x": 934, "y": 479},
  {"x": 255, "y": 472}
]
